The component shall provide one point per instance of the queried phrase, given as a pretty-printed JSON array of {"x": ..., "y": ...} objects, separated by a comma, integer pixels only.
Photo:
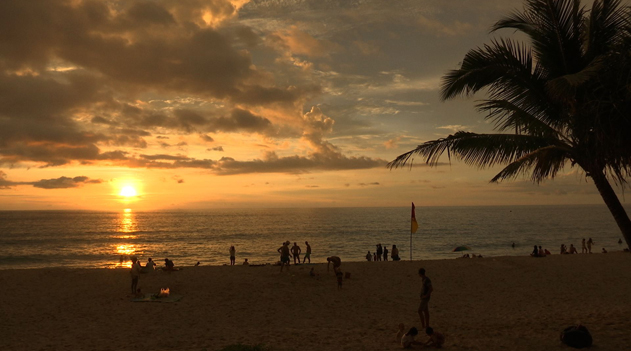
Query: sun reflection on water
[{"x": 127, "y": 226}]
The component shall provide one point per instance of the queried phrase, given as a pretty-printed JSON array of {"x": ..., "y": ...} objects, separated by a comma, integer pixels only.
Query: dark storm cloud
[
  {"x": 65, "y": 182},
  {"x": 153, "y": 44},
  {"x": 56, "y": 183},
  {"x": 61, "y": 58},
  {"x": 240, "y": 120}
]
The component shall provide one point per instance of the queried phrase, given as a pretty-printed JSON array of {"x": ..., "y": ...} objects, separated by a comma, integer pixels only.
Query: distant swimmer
[
  {"x": 337, "y": 262},
  {"x": 619, "y": 241},
  {"x": 513, "y": 245}
]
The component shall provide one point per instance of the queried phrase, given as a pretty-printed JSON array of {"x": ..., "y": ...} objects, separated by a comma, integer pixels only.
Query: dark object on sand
[{"x": 576, "y": 336}]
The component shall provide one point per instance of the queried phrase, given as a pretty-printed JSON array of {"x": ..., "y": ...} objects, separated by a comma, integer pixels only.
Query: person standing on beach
[
  {"x": 385, "y": 253},
  {"x": 379, "y": 252},
  {"x": 233, "y": 255},
  {"x": 295, "y": 251},
  {"x": 308, "y": 254},
  {"x": 426, "y": 294},
  {"x": 584, "y": 247},
  {"x": 590, "y": 242},
  {"x": 284, "y": 255},
  {"x": 135, "y": 274},
  {"x": 337, "y": 263}
]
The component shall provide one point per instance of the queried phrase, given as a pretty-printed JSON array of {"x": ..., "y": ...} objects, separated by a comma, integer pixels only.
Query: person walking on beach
[
  {"x": 385, "y": 253},
  {"x": 379, "y": 252},
  {"x": 426, "y": 294},
  {"x": 233, "y": 255},
  {"x": 584, "y": 247},
  {"x": 337, "y": 263},
  {"x": 135, "y": 274},
  {"x": 295, "y": 251},
  {"x": 590, "y": 242},
  {"x": 284, "y": 255},
  {"x": 308, "y": 253}
]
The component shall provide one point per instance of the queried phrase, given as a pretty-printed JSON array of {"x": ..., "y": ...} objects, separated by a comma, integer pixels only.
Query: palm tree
[{"x": 563, "y": 99}]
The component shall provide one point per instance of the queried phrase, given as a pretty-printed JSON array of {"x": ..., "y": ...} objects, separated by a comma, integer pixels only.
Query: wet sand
[{"x": 517, "y": 303}]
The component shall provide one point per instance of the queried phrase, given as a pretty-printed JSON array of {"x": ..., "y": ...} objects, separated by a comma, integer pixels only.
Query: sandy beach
[{"x": 518, "y": 303}]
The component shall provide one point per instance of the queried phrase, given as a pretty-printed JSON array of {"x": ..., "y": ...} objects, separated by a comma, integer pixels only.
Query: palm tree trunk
[{"x": 614, "y": 205}]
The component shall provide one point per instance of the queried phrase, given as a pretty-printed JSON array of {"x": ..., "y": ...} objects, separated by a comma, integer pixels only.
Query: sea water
[{"x": 36, "y": 239}]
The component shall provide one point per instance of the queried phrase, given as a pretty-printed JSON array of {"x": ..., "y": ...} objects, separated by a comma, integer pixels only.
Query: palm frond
[
  {"x": 606, "y": 25},
  {"x": 564, "y": 87},
  {"x": 482, "y": 67},
  {"x": 554, "y": 30},
  {"x": 481, "y": 150},
  {"x": 505, "y": 115},
  {"x": 544, "y": 162}
]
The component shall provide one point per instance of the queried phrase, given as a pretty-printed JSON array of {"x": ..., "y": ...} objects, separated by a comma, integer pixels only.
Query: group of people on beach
[
  {"x": 435, "y": 339},
  {"x": 586, "y": 247},
  {"x": 381, "y": 252},
  {"x": 286, "y": 254},
  {"x": 137, "y": 269}
]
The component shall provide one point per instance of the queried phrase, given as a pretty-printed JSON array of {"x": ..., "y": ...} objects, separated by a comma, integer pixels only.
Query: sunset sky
[{"x": 197, "y": 104}]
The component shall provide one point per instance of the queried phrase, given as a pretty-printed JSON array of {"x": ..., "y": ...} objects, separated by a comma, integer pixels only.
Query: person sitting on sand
[
  {"x": 168, "y": 265},
  {"x": 408, "y": 338},
  {"x": 395, "y": 253},
  {"x": 572, "y": 249},
  {"x": 436, "y": 339},
  {"x": 197, "y": 264},
  {"x": 535, "y": 252},
  {"x": 246, "y": 263},
  {"x": 400, "y": 333},
  {"x": 604, "y": 251},
  {"x": 563, "y": 249},
  {"x": 337, "y": 263},
  {"x": 368, "y": 256},
  {"x": 149, "y": 267}
]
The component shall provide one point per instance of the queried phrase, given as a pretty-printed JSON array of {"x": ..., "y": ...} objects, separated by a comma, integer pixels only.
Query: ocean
[{"x": 83, "y": 239}]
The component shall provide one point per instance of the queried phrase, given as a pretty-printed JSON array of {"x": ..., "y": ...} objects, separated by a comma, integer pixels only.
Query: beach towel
[{"x": 153, "y": 298}]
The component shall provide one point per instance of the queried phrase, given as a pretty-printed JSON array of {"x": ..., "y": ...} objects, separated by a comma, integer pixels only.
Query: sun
[{"x": 128, "y": 191}]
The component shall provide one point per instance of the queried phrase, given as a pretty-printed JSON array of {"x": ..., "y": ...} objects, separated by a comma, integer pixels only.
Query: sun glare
[{"x": 128, "y": 191}]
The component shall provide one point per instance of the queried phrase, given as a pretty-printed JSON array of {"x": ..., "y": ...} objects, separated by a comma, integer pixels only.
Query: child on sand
[
  {"x": 436, "y": 339},
  {"x": 400, "y": 333},
  {"x": 408, "y": 338},
  {"x": 339, "y": 279}
]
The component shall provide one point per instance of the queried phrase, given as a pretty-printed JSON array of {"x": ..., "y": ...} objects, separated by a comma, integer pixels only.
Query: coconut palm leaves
[{"x": 564, "y": 96}]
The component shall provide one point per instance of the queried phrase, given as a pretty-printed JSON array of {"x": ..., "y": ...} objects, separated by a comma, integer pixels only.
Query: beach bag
[{"x": 576, "y": 336}]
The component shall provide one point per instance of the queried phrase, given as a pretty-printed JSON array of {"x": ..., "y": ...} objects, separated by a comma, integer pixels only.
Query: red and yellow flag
[{"x": 414, "y": 226}]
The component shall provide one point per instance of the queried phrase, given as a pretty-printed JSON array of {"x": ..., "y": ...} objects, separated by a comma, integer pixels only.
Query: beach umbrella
[{"x": 461, "y": 248}]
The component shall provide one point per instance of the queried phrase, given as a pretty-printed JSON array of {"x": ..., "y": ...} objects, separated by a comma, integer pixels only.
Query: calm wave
[{"x": 35, "y": 239}]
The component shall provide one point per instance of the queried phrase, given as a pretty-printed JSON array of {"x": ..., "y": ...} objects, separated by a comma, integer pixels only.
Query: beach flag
[{"x": 414, "y": 227}]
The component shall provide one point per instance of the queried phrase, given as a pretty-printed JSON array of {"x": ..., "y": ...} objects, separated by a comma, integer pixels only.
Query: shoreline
[{"x": 494, "y": 303}]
